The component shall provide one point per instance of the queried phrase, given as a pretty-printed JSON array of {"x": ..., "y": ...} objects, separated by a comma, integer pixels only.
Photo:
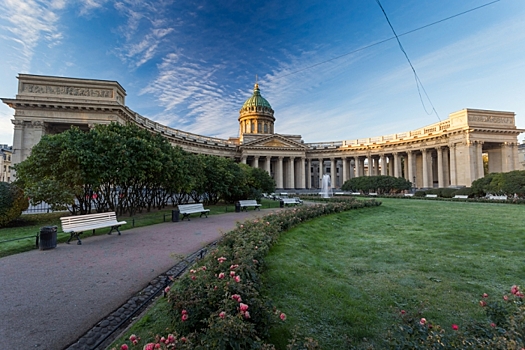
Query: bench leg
[
  {"x": 114, "y": 228},
  {"x": 75, "y": 234},
  {"x": 185, "y": 216},
  {"x": 204, "y": 213}
]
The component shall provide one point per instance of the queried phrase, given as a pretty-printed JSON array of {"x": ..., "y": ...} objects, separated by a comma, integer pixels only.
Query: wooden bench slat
[
  {"x": 249, "y": 203},
  {"x": 187, "y": 209}
]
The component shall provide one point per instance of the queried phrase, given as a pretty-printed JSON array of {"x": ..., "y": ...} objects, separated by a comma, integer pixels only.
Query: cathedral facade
[{"x": 445, "y": 154}]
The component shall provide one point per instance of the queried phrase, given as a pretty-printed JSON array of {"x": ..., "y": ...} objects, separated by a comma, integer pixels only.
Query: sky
[{"x": 331, "y": 70}]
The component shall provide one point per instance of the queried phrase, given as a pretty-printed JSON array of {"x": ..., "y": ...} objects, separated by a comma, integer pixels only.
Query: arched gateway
[{"x": 444, "y": 154}]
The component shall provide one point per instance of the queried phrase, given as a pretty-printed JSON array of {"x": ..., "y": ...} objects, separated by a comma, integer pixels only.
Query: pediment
[{"x": 274, "y": 141}]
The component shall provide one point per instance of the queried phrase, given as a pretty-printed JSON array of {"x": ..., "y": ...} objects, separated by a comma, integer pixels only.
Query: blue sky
[{"x": 191, "y": 64}]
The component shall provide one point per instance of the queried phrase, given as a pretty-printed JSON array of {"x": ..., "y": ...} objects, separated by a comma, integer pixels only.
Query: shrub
[
  {"x": 12, "y": 203},
  {"x": 420, "y": 194},
  {"x": 465, "y": 191},
  {"x": 218, "y": 304}
]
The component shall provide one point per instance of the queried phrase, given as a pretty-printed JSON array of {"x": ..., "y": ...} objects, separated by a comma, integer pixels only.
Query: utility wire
[
  {"x": 416, "y": 77},
  {"x": 385, "y": 40}
]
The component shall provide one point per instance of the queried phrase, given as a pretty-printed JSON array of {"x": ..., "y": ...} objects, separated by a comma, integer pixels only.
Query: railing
[{"x": 178, "y": 133}]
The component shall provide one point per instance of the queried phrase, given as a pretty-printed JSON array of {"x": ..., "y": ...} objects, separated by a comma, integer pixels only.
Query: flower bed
[{"x": 218, "y": 304}]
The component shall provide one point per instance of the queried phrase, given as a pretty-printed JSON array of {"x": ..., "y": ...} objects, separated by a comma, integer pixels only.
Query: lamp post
[{"x": 414, "y": 183}]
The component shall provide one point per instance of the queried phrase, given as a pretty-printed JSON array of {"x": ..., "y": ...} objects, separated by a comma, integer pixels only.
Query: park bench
[
  {"x": 249, "y": 203},
  {"x": 461, "y": 196},
  {"x": 372, "y": 194},
  {"x": 355, "y": 193},
  {"x": 187, "y": 209},
  {"x": 499, "y": 198},
  {"x": 291, "y": 201},
  {"x": 75, "y": 225},
  {"x": 409, "y": 195},
  {"x": 431, "y": 196}
]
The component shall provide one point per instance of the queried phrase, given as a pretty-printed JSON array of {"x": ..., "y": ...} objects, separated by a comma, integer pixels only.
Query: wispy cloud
[
  {"x": 29, "y": 22},
  {"x": 192, "y": 99}
]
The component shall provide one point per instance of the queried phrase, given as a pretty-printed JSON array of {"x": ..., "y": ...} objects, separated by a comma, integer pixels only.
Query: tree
[{"x": 12, "y": 202}]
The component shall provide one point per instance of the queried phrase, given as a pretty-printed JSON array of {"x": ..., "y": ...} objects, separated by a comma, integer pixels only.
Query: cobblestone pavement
[{"x": 68, "y": 296}]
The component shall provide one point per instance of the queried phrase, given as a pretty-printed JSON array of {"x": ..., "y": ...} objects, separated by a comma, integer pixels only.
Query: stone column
[
  {"x": 383, "y": 164},
  {"x": 333, "y": 172},
  {"x": 302, "y": 182},
  {"x": 344, "y": 165},
  {"x": 308, "y": 173},
  {"x": 479, "y": 159},
  {"x": 425, "y": 168},
  {"x": 410, "y": 162},
  {"x": 255, "y": 161},
  {"x": 357, "y": 167},
  {"x": 321, "y": 172},
  {"x": 18, "y": 141},
  {"x": 243, "y": 159},
  {"x": 279, "y": 173},
  {"x": 446, "y": 168},
  {"x": 397, "y": 165},
  {"x": 453, "y": 171},
  {"x": 267, "y": 165},
  {"x": 441, "y": 182},
  {"x": 291, "y": 173}
]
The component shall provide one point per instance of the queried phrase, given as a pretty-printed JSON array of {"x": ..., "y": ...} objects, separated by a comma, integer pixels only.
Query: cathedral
[{"x": 445, "y": 154}]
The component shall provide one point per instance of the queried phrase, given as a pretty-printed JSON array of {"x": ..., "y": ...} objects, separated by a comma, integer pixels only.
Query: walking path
[{"x": 49, "y": 299}]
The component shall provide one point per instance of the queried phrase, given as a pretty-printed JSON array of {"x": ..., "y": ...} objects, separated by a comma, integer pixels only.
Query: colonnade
[{"x": 438, "y": 166}]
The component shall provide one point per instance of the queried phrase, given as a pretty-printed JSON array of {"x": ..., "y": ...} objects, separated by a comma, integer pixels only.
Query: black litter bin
[
  {"x": 47, "y": 239},
  {"x": 237, "y": 207},
  {"x": 281, "y": 204},
  {"x": 175, "y": 215}
]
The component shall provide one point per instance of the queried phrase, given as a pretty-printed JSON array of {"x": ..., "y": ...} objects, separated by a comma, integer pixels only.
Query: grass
[
  {"x": 20, "y": 236},
  {"x": 342, "y": 279}
]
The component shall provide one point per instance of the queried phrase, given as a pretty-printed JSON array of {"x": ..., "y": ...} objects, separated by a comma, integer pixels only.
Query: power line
[
  {"x": 391, "y": 38},
  {"x": 416, "y": 77}
]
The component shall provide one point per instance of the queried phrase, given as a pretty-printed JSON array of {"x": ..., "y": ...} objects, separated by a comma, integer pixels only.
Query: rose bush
[{"x": 218, "y": 304}]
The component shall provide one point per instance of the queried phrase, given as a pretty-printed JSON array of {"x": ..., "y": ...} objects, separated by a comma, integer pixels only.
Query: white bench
[
  {"x": 372, "y": 194},
  {"x": 431, "y": 196},
  {"x": 355, "y": 193},
  {"x": 293, "y": 201},
  {"x": 249, "y": 203},
  {"x": 75, "y": 225},
  {"x": 409, "y": 195},
  {"x": 187, "y": 209},
  {"x": 461, "y": 196},
  {"x": 499, "y": 198}
]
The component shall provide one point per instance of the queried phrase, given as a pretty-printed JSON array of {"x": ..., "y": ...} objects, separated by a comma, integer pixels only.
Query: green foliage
[
  {"x": 464, "y": 191},
  {"x": 379, "y": 184},
  {"x": 12, "y": 202},
  {"x": 510, "y": 184},
  {"x": 420, "y": 194}
]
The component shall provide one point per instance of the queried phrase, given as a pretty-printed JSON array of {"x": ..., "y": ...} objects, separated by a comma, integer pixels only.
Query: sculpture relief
[
  {"x": 490, "y": 119},
  {"x": 67, "y": 90}
]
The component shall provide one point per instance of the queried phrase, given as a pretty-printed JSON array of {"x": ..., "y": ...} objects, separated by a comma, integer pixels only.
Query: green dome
[{"x": 256, "y": 100}]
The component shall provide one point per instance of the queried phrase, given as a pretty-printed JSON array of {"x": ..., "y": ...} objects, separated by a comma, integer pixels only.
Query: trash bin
[
  {"x": 175, "y": 215},
  {"x": 237, "y": 207},
  {"x": 281, "y": 204},
  {"x": 47, "y": 239}
]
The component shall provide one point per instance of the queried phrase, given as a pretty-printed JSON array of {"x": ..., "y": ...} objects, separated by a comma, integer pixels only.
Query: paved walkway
[{"x": 48, "y": 299}]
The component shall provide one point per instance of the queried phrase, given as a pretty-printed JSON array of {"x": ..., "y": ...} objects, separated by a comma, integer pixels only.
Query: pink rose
[
  {"x": 149, "y": 346},
  {"x": 232, "y": 273},
  {"x": 514, "y": 289},
  {"x": 222, "y": 314},
  {"x": 485, "y": 295},
  {"x": 193, "y": 277},
  {"x": 171, "y": 338},
  {"x": 237, "y": 298},
  {"x": 184, "y": 317},
  {"x": 221, "y": 259},
  {"x": 482, "y": 303},
  {"x": 233, "y": 267},
  {"x": 422, "y": 321},
  {"x": 184, "y": 312},
  {"x": 246, "y": 315},
  {"x": 221, "y": 275},
  {"x": 237, "y": 279},
  {"x": 167, "y": 289},
  {"x": 132, "y": 337},
  {"x": 505, "y": 298},
  {"x": 493, "y": 325},
  {"x": 455, "y": 327},
  {"x": 124, "y": 347},
  {"x": 243, "y": 307},
  {"x": 282, "y": 316},
  {"x": 203, "y": 268},
  {"x": 157, "y": 346}
]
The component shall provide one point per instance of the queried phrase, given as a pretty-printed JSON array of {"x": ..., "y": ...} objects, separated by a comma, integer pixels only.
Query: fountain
[{"x": 326, "y": 187}]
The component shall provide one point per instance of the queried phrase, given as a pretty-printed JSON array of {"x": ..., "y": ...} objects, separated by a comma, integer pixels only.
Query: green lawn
[{"x": 344, "y": 277}]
